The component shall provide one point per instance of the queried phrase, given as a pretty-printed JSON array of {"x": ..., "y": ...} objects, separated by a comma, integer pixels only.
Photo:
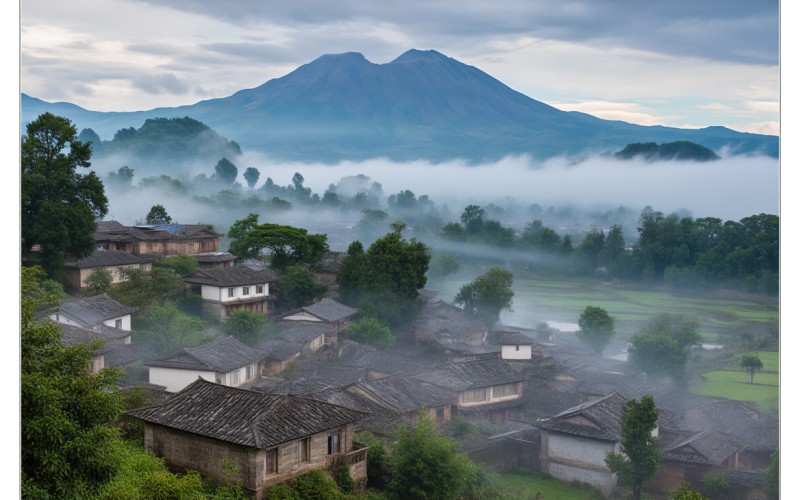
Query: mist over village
[{"x": 368, "y": 253}]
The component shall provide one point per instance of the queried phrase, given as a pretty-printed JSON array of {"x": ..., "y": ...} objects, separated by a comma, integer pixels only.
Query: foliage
[
  {"x": 315, "y": 484},
  {"x": 487, "y": 295},
  {"x": 157, "y": 215},
  {"x": 596, "y": 328},
  {"x": 37, "y": 286},
  {"x": 369, "y": 330},
  {"x": 426, "y": 464},
  {"x": 121, "y": 178},
  {"x": 282, "y": 492},
  {"x": 675, "y": 326},
  {"x": 170, "y": 329},
  {"x": 342, "y": 477},
  {"x": 639, "y": 457},
  {"x": 772, "y": 477},
  {"x": 751, "y": 363},
  {"x": 181, "y": 264},
  {"x": 378, "y": 464},
  {"x": 717, "y": 484},
  {"x": 443, "y": 265},
  {"x": 142, "y": 288},
  {"x": 383, "y": 282},
  {"x": 238, "y": 233},
  {"x": 247, "y": 327},
  {"x": 287, "y": 245},
  {"x": 251, "y": 175},
  {"x": 662, "y": 346},
  {"x": 299, "y": 286},
  {"x": 225, "y": 172},
  {"x": 99, "y": 281},
  {"x": 66, "y": 436},
  {"x": 460, "y": 426},
  {"x": 58, "y": 205},
  {"x": 685, "y": 492},
  {"x": 678, "y": 150}
]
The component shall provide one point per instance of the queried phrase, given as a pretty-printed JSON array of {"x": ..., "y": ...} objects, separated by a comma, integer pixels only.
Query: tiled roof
[
  {"x": 402, "y": 394},
  {"x": 229, "y": 276},
  {"x": 299, "y": 387},
  {"x": 279, "y": 349},
  {"x": 330, "y": 310},
  {"x": 106, "y": 258},
  {"x": 215, "y": 257},
  {"x": 464, "y": 375},
  {"x": 220, "y": 356},
  {"x": 243, "y": 417},
  {"x": 72, "y": 335},
  {"x": 509, "y": 338},
  {"x": 705, "y": 448},
  {"x": 381, "y": 420},
  {"x": 605, "y": 415},
  {"x": 92, "y": 311},
  {"x": 440, "y": 316},
  {"x": 122, "y": 354},
  {"x": 299, "y": 331},
  {"x": 108, "y": 225}
]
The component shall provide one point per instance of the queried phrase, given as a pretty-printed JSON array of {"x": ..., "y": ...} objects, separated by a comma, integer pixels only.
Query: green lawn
[
  {"x": 732, "y": 383},
  {"x": 551, "y": 489}
]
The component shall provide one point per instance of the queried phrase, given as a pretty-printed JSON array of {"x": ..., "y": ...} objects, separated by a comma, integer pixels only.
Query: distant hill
[
  {"x": 678, "y": 150},
  {"x": 422, "y": 105}
]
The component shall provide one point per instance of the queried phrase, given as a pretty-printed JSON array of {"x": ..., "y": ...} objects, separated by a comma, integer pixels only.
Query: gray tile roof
[
  {"x": 106, "y": 258},
  {"x": 381, "y": 420},
  {"x": 300, "y": 331},
  {"x": 123, "y": 354},
  {"x": 212, "y": 257},
  {"x": 330, "y": 310},
  {"x": 483, "y": 372},
  {"x": 72, "y": 335},
  {"x": 605, "y": 415},
  {"x": 229, "y": 276},
  {"x": 509, "y": 338},
  {"x": 220, "y": 356},
  {"x": 279, "y": 349},
  {"x": 704, "y": 448},
  {"x": 243, "y": 417},
  {"x": 91, "y": 311},
  {"x": 440, "y": 316},
  {"x": 403, "y": 394}
]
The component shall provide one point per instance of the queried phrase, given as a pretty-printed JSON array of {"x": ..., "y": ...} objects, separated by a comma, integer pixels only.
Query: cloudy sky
[{"x": 684, "y": 63}]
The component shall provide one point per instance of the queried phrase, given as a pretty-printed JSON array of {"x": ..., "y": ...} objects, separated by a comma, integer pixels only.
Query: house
[
  {"x": 310, "y": 336},
  {"x": 215, "y": 259},
  {"x": 93, "y": 312},
  {"x": 406, "y": 396},
  {"x": 268, "y": 438},
  {"x": 110, "y": 337},
  {"x": 278, "y": 355},
  {"x": 115, "y": 262},
  {"x": 446, "y": 325},
  {"x": 156, "y": 239},
  {"x": 513, "y": 345},
  {"x": 575, "y": 442},
  {"x": 484, "y": 386},
  {"x": 336, "y": 315},
  {"x": 228, "y": 289},
  {"x": 225, "y": 361}
]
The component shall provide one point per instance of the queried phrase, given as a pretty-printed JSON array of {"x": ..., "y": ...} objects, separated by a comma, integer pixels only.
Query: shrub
[
  {"x": 315, "y": 484},
  {"x": 341, "y": 475}
]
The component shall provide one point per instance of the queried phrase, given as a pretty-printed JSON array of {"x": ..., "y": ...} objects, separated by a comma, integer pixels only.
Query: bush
[
  {"x": 460, "y": 426},
  {"x": 282, "y": 492},
  {"x": 717, "y": 485},
  {"x": 369, "y": 330},
  {"x": 315, "y": 484},
  {"x": 246, "y": 326},
  {"x": 377, "y": 460},
  {"x": 341, "y": 475}
]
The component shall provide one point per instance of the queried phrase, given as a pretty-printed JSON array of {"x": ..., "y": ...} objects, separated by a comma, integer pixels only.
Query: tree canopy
[
  {"x": 596, "y": 328},
  {"x": 487, "y": 295},
  {"x": 662, "y": 346},
  {"x": 287, "y": 245},
  {"x": 251, "y": 175},
  {"x": 157, "y": 215},
  {"x": 299, "y": 286},
  {"x": 59, "y": 206},
  {"x": 751, "y": 362},
  {"x": 638, "y": 460},
  {"x": 225, "y": 171}
]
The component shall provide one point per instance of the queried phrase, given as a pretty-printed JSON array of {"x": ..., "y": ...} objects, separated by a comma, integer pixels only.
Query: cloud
[
  {"x": 629, "y": 112},
  {"x": 165, "y": 82},
  {"x": 767, "y": 106}
]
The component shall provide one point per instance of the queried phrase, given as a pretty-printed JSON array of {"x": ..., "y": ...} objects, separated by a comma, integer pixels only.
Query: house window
[
  {"x": 272, "y": 461},
  {"x": 517, "y": 348},
  {"x": 302, "y": 450},
  {"x": 118, "y": 323},
  {"x": 259, "y": 289},
  {"x": 504, "y": 390},
  {"x": 440, "y": 415},
  {"x": 333, "y": 444},
  {"x": 231, "y": 292},
  {"x": 245, "y": 290},
  {"x": 474, "y": 395}
]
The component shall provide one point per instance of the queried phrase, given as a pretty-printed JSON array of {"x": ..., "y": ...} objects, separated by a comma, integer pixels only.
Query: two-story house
[
  {"x": 94, "y": 312},
  {"x": 115, "y": 262},
  {"x": 269, "y": 438},
  {"x": 228, "y": 289},
  {"x": 156, "y": 239},
  {"x": 336, "y": 315}
]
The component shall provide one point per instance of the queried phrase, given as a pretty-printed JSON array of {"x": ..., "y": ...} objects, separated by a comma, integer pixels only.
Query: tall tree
[
  {"x": 246, "y": 326},
  {"x": 487, "y": 295},
  {"x": 299, "y": 286},
  {"x": 638, "y": 460},
  {"x": 225, "y": 171},
  {"x": 251, "y": 175},
  {"x": 287, "y": 245},
  {"x": 59, "y": 206},
  {"x": 157, "y": 215},
  {"x": 678, "y": 327},
  {"x": 472, "y": 218},
  {"x": 238, "y": 234},
  {"x": 751, "y": 363},
  {"x": 596, "y": 328}
]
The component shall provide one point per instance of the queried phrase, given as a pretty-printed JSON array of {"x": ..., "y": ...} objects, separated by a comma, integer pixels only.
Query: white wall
[
  {"x": 588, "y": 451},
  {"x": 511, "y": 352},
  {"x": 126, "y": 322},
  {"x": 604, "y": 481},
  {"x": 220, "y": 294},
  {"x": 175, "y": 380},
  {"x": 302, "y": 316}
]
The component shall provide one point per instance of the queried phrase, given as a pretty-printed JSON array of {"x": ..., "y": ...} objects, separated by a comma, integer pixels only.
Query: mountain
[{"x": 421, "y": 105}]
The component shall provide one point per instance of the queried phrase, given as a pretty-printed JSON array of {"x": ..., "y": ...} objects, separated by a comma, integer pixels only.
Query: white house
[
  {"x": 513, "y": 345},
  {"x": 225, "y": 361},
  {"x": 228, "y": 289},
  {"x": 92, "y": 312}
]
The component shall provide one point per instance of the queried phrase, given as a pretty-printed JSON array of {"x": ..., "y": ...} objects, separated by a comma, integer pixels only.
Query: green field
[
  {"x": 733, "y": 383},
  {"x": 551, "y": 489}
]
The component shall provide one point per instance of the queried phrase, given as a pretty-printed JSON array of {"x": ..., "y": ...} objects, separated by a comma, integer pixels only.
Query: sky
[{"x": 682, "y": 63}]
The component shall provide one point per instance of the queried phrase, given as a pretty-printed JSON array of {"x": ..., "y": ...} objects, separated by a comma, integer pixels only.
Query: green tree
[
  {"x": 157, "y": 215},
  {"x": 66, "y": 431},
  {"x": 181, "y": 264},
  {"x": 454, "y": 231},
  {"x": 751, "y": 363},
  {"x": 487, "y": 295},
  {"x": 121, "y": 178},
  {"x": 378, "y": 465},
  {"x": 170, "y": 329},
  {"x": 772, "y": 483},
  {"x": 596, "y": 328},
  {"x": 472, "y": 218},
  {"x": 657, "y": 355},
  {"x": 287, "y": 245},
  {"x": 443, "y": 265},
  {"x": 426, "y": 465},
  {"x": 685, "y": 492},
  {"x": 225, "y": 171},
  {"x": 251, "y": 175},
  {"x": 238, "y": 235},
  {"x": 370, "y": 331},
  {"x": 99, "y": 281},
  {"x": 299, "y": 286},
  {"x": 675, "y": 326},
  {"x": 638, "y": 460},
  {"x": 247, "y": 327},
  {"x": 58, "y": 206},
  {"x": 717, "y": 484},
  {"x": 142, "y": 288}
]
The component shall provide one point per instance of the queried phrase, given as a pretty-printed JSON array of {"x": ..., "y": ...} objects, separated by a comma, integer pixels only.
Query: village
[{"x": 516, "y": 397}]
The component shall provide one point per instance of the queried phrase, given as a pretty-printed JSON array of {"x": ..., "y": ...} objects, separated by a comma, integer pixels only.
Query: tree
[
  {"x": 657, "y": 355},
  {"x": 772, "y": 483},
  {"x": 370, "y": 331},
  {"x": 247, "y": 327},
  {"x": 675, "y": 326},
  {"x": 443, "y": 265},
  {"x": 238, "y": 233},
  {"x": 685, "y": 492},
  {"x": 181, "y": 264},
  {"x": 426, "y": 464},
  {"x": 66, "y": 432},
  {"x": 300, "y": 287},
  {"x": 122, "y": 178},
  {"x": 638, "y": 460},
  {"x": 170, "y": 329},
  {"x": 225, "y": 171},
  {"x": 157, "y": 215},
  {"x": 251, "y": 175},
  {"x": 596, "y": 328},
  {"x": 99, "y": 281},
  {"x": 487, "y": 295},
  {"x": 717, "y": 484},
  {"x": 472, "y": 218},
  {"x": 58, "y": 206},
  {"x": 751, "y": 363},
  {"x": 378, "y": 465},
  {"x": 287, "y": 245}
]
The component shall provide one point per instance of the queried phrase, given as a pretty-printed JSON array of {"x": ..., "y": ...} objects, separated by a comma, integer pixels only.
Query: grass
[
  {"x": 551, "y": 489},
  {"x": 733, "y": 383}
]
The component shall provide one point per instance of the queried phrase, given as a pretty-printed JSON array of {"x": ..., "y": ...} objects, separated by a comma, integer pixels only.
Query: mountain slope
[{"x": 421, "y": 105}]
